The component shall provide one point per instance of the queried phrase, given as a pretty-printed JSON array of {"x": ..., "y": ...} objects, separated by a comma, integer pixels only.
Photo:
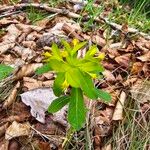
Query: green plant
[
  {"x": 5, "y": 71},
  {"x": 92, "y": 12},
  {"x": 35, "y": 15},
  {"x": 74, "y": 79}
]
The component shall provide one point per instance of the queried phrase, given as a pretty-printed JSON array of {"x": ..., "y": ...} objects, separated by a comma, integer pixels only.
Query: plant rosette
[{"x": 74, "y": 78}]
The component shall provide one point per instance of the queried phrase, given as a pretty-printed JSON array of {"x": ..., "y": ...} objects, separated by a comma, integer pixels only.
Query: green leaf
[
  {"x": 91, "y": 67},
  {"x": 103, "y": 95},
  {"x": 87, "y": 85},
  {"x": 76, "y": 110},
  {"x": 72, "y": 77},
  {"x": 56, "y": 51},
  {"x": 67, "y": 46},
  {"x": 45, "y": 68},
  {"x": 58, "y": 103},
  {"x": 78, "y": 47},
  {"x": 58, "y": 66},
  {"x": 92, "y": 51},
  {"x": 57, "y": 87},
  {"x": 5, "y": 71}
]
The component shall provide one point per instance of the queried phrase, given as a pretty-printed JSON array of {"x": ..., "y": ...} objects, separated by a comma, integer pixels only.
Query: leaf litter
[{"x": 22, "y": 45}]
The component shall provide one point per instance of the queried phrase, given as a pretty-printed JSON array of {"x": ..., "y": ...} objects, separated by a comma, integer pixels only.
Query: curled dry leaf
[
  {"x": 5, "y": 21},
  {"x": 118, "y": 112},
  {"x": 25, "y": 53},
  {"x": 17, "y": 129},
  {"x": 9, "y": 39},
  {"x": 140, "y": 91},
  {"x": 38, "y": 100},
  {"x": 32, "y": 36},
  {"x": 12, "y": 97},
  {"x": 109, "y": 76},
  {"x": 29, "y": 44},
  {"x": 112, "y": 53},
  {"x": 27, "y": 70},
  {"x": 123, "y": 60},
  {"x": 25, "y": 27},
  {"x": 145, "y": 57},
  {"x": 31, "y": 83},
  {"x": 136, "y": 68},
  {"x": 3, "y": 128}
]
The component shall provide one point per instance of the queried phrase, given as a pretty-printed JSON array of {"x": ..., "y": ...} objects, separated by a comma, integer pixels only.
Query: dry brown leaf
[
  {"x": 27, "y": 70},
  {"x": 17, "y": 129},
  {"x": 31, "y": 83},
  {"x": 5, "y": 21},
  {"x": 9, "y": 39},
  {"x": 3, "y": 128},
  {"x": 50, "y": 127},
  {"x": 98, "y": 40},
  {"x": 136, "y": 68},
  {"x": 42, "y": 23},
  {"x": 4, "y": 144},
  {"x": 27, "y": 28},
  {"x": 107, "y": 147},
  {"x": 145, "y": 57},
  {"x": 32, "y": 36},
  {"x": 12, "y": 97},
  {"x": 109, "y": 76},
  {"x": 112, "y": 53},
  {"x": 118, "y": 112},
  {"x": 44, "y": 145},
  {"x": 25, "y": 53},
  {"x": 18, "y": 118},
  {"x": 123, "y": 60},
  {"x": 29, "y": 44},
  {"x": 140, "y": 91}
]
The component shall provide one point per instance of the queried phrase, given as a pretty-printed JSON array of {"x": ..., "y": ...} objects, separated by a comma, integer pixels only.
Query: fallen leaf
[
  {"x": 29, "y": 44},
  {"x": 17, "y": 129},
  {"x": 136, "y": 68},
  {"x": 140, "y": 91},
  {"x": 123, "y": 60},
  {"x": 3, "y": 128},
  {"x": 31, "y": 83},
  {"x": 50, "y": 128},
  {"x": 12, "y": 97},
  {"x": 118, "y": 112},
  {"x": 27, "y": 70},
  {"x": 109, "y": 76},
  {"x": 38, "y": 100},
  {"x": 9, "y": 39},
  {"x": 145, "y": 57}
]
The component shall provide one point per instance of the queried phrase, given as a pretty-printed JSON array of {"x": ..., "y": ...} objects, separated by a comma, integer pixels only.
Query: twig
[{"x": 9, "y": 14}]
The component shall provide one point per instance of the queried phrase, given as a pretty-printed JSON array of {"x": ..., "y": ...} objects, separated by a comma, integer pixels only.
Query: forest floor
[{"x": 28, "y": 29}]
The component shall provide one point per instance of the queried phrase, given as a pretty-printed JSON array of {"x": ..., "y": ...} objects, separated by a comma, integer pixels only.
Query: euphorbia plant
[{"x": 74, "y": 78}]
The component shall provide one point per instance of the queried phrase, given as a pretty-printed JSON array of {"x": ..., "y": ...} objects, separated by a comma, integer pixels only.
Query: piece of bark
[{"x": 118, "y": 112}]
